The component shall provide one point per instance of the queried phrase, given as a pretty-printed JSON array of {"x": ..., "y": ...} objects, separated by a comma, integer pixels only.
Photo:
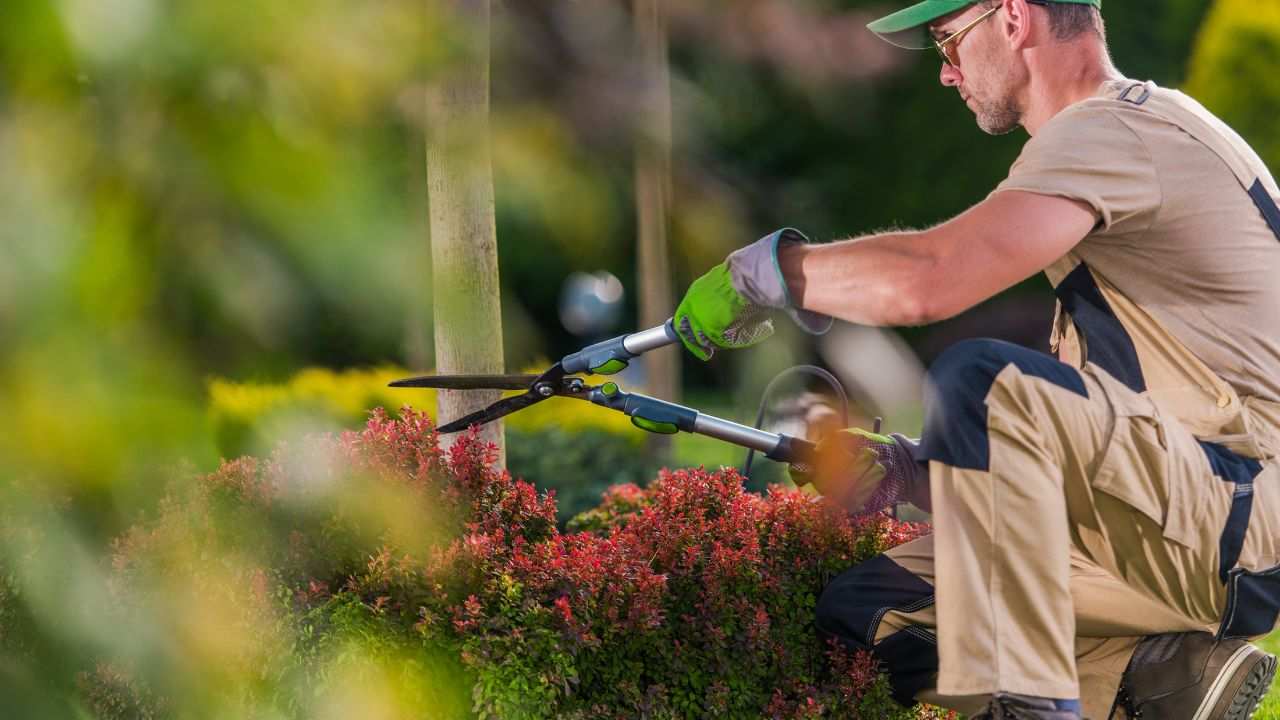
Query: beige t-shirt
[{"x": 1177, "y": 235}]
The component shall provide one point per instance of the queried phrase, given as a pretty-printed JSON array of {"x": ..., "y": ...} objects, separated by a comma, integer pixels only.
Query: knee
[
  {"x": 963, "y": 375},
  {"x": 965, "y": 372},
  {"x": 852, "y": 607},
  {"x": 853, "y": 604},
  {"x": 956, "y": 395},
  {"x": 839, "y": 614}
]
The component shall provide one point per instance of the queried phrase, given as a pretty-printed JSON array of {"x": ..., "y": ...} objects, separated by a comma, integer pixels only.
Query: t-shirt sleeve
[{"x": 1089, "y": 154}]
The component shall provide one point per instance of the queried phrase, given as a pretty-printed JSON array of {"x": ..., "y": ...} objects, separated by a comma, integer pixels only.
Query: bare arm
[{"x": 916, "y": 278}]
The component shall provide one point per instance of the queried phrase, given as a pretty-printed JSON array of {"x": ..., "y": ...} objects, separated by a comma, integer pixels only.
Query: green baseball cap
[{"x": 908, "y": 28}]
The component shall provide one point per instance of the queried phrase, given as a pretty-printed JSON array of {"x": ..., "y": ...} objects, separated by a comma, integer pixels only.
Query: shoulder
[
  {"x": 1089, "y": 124},
  {"x": 1093, "y": 151}
]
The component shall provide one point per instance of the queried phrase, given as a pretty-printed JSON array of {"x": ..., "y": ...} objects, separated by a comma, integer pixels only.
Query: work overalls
[{"x": 1079, "y": 504}]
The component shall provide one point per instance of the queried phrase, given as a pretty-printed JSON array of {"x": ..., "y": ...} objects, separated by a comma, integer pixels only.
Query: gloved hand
[
  {"x": 863, "y": 472},
  {"x": 729, "y": 306}
]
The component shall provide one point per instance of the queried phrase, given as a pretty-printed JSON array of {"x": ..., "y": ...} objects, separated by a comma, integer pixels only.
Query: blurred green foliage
[
  {"x": 1241, "y": 41},
  {"x": 577, "y": 449},
  {"x": 227, "y": 602},
  {"x": 574, "y": 448},
  {"x": 237, "y": 190}
]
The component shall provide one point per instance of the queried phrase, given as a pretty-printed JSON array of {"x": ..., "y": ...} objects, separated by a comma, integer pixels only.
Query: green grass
[{"x": 1270, "y": 709}]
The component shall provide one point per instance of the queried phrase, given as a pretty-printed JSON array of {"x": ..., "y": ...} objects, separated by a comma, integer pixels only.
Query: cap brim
[{"x": 908, "y": 28}]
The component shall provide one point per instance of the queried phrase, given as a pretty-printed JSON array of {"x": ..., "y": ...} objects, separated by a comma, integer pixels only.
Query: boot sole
[{"x": 1222, "y": 703}]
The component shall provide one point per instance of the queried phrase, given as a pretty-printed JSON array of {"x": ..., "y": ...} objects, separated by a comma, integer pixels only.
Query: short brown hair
[{"x": 1068, "y": 21}]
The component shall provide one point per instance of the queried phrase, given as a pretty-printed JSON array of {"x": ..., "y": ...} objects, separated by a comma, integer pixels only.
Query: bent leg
[
  {"x": 854, "y": 606},
  {"x": 886, "y": 605},
  {"x": 1028, "y": 459},
  {"x": 1003, "y": 429}
]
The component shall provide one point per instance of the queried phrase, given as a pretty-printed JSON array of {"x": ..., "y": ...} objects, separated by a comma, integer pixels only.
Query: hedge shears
[{"x": 647, "y": 413}]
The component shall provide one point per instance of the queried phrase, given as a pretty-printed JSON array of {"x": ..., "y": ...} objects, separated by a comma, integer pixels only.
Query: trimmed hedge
[{"x": 374, "y": 560}]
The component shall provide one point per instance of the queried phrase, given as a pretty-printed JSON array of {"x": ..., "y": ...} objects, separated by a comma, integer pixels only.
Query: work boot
[
  {"x": 1023, "y": 707},
  {"x": 1192, "y": 676}
]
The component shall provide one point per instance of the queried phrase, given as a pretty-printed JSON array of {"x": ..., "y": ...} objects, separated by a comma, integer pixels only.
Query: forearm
[{"x": 881, "y": 280}]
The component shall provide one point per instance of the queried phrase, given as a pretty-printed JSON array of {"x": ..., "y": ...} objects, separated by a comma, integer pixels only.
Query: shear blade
[
  {"x": 469, "y": 382},
  {"x": 497, "y": 410}
]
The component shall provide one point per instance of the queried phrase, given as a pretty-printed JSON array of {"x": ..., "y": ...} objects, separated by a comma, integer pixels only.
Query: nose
[{"x": 950, "y": 75}]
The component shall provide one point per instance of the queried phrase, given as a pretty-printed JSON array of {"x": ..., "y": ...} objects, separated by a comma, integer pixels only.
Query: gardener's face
[{"x": 982, "y": 67}]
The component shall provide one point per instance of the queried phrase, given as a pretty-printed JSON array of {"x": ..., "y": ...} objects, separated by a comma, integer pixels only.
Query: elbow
[
  {"x": 930, "y": 303},
  {"x": 934, "y": 291},
  {"x": 919, "y": 300},
  {"x": 915, "y": 307}
]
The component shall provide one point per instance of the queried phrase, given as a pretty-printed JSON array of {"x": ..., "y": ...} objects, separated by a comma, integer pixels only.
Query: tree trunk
[
  {"x": 653, "y": 200},
  {"x": 464, "y": 250}
]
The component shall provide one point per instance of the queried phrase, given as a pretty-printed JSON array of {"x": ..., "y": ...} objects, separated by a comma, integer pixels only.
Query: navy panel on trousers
[
  {"x": 956, "y": 388},
  {"x": 1253, "y": 603},
  {"x": 1253, "y": 598},
  {"x": 1238, "y": 469},
  {"x": 854, "y": 603}
]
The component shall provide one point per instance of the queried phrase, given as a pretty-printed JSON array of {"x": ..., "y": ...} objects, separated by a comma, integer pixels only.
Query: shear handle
[{"x": 612, "y": 356}]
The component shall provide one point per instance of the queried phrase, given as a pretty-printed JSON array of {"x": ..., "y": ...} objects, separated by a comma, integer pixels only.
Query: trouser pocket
[
  {"x": 1140, "y": 468},
  {"x": 1253, "y": 603}
]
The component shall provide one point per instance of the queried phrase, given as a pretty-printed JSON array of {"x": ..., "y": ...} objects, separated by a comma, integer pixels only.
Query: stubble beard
[
  {"x": 998, "y": 117},
  {"x": 996, "y": 110}
]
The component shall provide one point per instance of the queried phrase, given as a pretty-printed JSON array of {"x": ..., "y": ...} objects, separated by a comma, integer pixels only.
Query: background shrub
[
  {"x": 574, "y": 448},
  {"x": 1240, "y": 40}
]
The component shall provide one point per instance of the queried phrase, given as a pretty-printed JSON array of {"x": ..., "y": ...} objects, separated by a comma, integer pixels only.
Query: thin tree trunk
[
  {"x": 653, "y": 199},
  {"x": 464, "y": 250},
  {"x": 419, "y": 346}
]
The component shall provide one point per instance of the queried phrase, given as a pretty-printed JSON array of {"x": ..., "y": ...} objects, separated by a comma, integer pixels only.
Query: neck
[{"x": 1062, "y": 75}]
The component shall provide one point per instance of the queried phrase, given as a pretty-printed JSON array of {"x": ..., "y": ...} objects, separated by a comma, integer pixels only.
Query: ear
[{"x": 1017, "y": 24}]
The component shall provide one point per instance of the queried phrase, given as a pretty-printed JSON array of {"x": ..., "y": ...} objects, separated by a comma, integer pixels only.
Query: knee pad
[{"x": 852, "y": 606}]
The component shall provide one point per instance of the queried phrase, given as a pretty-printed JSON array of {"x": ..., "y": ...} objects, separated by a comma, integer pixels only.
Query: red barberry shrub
[
  {"x": 688, "y": 598},
  {"x": 694, "y": 599}
]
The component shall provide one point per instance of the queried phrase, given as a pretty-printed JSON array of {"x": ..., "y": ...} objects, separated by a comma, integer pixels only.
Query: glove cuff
[
  {"x": 915, "y": 472},
  {"x": 757, "y": 276},
  {"x": 904, "y": 477}
]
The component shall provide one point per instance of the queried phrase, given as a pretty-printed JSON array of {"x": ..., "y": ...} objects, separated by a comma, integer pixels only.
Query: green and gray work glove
[
  {"x": 864, "y": 472},
  {"x": 729, "y": 307}
]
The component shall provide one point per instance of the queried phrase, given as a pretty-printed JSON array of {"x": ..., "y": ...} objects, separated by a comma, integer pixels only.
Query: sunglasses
[{"x": 946, "y": 47}]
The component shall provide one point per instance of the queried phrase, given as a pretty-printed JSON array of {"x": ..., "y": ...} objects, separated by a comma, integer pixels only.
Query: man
[{"x": 1107, "y": 523}]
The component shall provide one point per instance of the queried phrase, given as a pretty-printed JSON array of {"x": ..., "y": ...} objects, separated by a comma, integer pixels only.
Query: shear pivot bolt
[{"x": 546, "y": 390}]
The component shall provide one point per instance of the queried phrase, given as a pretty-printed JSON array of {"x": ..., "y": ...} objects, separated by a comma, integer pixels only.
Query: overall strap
[
  {"x": 1215, "y": 135},
  {"x": 1253, "y": 598}
]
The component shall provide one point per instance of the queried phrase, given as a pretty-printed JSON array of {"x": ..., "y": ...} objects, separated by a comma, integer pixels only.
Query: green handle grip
[
  {"x": 611, "y": 356},
  {"x": 654, "y": 426},
  {"x": 646, "y": 413}
]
